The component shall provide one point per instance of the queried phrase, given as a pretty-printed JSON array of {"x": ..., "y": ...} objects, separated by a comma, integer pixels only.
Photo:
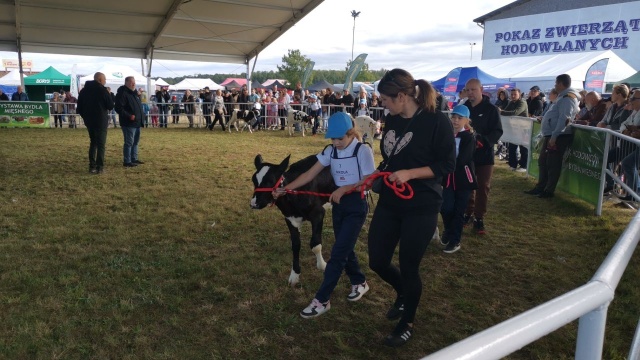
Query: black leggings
[
  {"x": 414, "y": 231},
  {"x": 218, "y": 117}
]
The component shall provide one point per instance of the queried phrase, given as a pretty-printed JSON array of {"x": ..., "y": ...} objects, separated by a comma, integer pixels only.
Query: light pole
[
  {"x": 354, "y": 14},
  {"x": 471, "y": 45}
]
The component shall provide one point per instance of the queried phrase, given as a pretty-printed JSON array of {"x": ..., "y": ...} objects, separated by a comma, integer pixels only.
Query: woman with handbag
[{"x": 418, "y": 148}]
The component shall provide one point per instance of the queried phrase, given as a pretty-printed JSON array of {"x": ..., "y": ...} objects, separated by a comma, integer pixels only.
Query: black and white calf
[
  {"x": 241, "y": 119},
  {"x": 299, "y": 117},
  {"x": 295, "y": 208}
]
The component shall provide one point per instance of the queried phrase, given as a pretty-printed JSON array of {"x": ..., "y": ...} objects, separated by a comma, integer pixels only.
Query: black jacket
[
  {"x": 464, "y": 176},
  {"x": 4, "y": 97},
  {"x": 94, "y": 103},
  {"x": 485, "y": 120},
  {"x": 128, "y": 103},
  {"x": 160, "y": 96},
  {"x": 535, "y": 105}
]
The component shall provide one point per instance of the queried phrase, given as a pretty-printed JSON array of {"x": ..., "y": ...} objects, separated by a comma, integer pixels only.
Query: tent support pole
[
  {"x": 19, "y": 41},
  {"x": 250, "y": 74}
]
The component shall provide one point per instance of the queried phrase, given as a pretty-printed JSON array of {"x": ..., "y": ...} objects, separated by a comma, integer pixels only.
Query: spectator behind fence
[
  {"x": 557, "y": 137},
  {"x": 70, "y": 108},
  {"x": 19, "y": 95},
  {"x": 517, "y": 107},
  {"x": 57, "y": 109},
  {"x": 596, "y": 108},
  {"x": 189, "y": 107},
  {"x": 553, "y": 97},
  {"x": 535, "y": 102},
  {"x": 94, "y": 104},
  {"x": 616, "y": 113},
  {"x": 112, "y": 113},
  {"x": 631, "y": 162},
  {"x": 486, "y": 122},
  {"x": 129, "y": 108},
  {"x": 162, "y": 99},
  {"x": 3, "y": 96},
  {"x": 503, "y": 99}
]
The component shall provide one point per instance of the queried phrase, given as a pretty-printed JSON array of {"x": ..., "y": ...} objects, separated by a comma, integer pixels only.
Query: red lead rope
[{"x": 399, "y": 190}]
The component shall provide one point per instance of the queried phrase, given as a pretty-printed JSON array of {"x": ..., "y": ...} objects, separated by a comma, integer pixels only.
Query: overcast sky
[{"x": 411, "y": 34}]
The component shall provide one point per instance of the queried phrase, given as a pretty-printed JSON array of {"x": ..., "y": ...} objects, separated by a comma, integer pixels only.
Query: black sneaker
[
  {"x": 467, "y": 219},
  {"x": 478, "y": 226},
  {"x": 100, "y": 171},
  {"x": 138, "y": 162},
  {"x": 396, "y": 310},
  {"x": 130, "y": 164},
  {"x": 399, "y": 336},
  {"x": 534, "y": 191},
  {"x": 545, "y": 195},
  {"x": 451, "y": 248}
]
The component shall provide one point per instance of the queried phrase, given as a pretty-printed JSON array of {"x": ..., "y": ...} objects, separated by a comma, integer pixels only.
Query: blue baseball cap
[
  {"x": 461, "y": 110},
  {"x": 339, "y": 124}
]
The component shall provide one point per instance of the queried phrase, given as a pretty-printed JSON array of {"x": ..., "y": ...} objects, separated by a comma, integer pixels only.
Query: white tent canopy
[
  {"x": 161, "y": 82},
  {"x": 11, "y": 79},
  {"x": 540, "y": 70},
  {"x": 116, "y": 74},
  {"x": 196, "y": 84}
]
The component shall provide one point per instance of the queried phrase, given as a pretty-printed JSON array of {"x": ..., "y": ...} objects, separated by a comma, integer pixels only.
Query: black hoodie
[
  {"x": 127, "y": 104},
  {"x": 485, "y": 120},
  {"x": 94, "y": 102}
]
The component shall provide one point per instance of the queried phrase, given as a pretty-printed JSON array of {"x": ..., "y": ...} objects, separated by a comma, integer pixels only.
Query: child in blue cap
[
  {"x": 350, "y": 162},
  {"x": 457, "y": 186}
]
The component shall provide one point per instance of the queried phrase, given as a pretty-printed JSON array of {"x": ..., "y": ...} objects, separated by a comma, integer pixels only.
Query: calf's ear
[
  {"x": 258, "y": 161},
  {"x": 284, "y": 164}
]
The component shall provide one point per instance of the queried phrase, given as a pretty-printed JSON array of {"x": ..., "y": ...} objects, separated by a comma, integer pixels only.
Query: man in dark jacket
[
  {"x": 94, "y": 104},
  {"x": 517, "y": 107},
  {"x": 3, "y": 96},
  {"x": 129, "y": 107},
  {"x": 485, "y": 120},
  {"x": 535, "y": 104},
  {"x": 162, "y": 99},
  {"x": 19, "y": 95}
]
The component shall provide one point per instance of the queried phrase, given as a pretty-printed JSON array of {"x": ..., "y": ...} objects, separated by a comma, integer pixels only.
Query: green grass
[{"x": 167, "y": 261}]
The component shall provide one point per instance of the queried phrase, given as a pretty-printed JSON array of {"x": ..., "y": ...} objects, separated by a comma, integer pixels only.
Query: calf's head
[{"x": 266, "y": 176}]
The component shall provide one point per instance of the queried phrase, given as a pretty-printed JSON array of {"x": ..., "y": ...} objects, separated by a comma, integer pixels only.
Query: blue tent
[{"x": 489, "y": 83}]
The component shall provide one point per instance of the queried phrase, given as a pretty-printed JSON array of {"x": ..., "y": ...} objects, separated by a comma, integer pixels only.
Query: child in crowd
[
  {"x": 154, "y": 112},
  {"x": 350, "y": 162},
  {"x": 362, "y": 109},
  {"x": 315, "y": 112},
  {"x": 457, "y": 186}
]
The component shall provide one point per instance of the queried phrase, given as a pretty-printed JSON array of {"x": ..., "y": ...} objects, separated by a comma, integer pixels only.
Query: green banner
[
  {"x": 24, "y": 114},
  {"x": 582, "y": 165},
  {"x": 307, "y": 74},
  {"x": 354, "y": 70}
]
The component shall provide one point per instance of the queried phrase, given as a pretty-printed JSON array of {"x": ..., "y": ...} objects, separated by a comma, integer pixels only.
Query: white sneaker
[
  {"x": 316, "y": 308},
  {"x": 512, "y": 168},
  {"x": 521, "y": 170},
  {"x": 357, "y": 291}
]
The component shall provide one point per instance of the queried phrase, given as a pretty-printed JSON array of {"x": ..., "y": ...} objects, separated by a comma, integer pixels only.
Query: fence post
[
  {"x": 591, "y": 328},
  {"x": 603, "y": 176}
]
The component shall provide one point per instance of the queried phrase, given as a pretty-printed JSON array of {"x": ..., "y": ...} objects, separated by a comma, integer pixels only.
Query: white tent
[
  {"x": 196, "y": 84},
  {"x": 11, "y": 79},
  {"x": 161, "y": 82},
  {"x": 541, "y": 70},
  {"x": 116, "y": 74}
]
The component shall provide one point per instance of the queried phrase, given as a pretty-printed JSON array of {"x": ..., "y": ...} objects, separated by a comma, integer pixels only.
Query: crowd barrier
[{"x": 18, "y": 114}]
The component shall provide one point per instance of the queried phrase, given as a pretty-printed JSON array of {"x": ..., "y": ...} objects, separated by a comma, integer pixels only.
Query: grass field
[{"x": 167, "y": 261}]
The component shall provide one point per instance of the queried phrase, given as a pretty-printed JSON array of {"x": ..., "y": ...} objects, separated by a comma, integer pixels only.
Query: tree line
[{"x": 292, "y": 70}]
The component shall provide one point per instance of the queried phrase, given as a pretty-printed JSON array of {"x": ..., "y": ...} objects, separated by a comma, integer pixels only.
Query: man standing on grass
[
  {"x": 557, "y": 134},
  {"x": 129, "y": 107},
  {"x": 94, "y": 104},
  {"x": 485, "y": 120}
]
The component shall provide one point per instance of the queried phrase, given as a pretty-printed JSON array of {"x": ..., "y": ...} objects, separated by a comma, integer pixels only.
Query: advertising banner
[
  {"x": 24, "y": 114},
  {"x": 450, "y": 91},
  {"x": 582, "y": 165},
  {"x": 307, "y": 74},
  {"x": 594, "y": 80},
  {"x": 356, "y": 65}
]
